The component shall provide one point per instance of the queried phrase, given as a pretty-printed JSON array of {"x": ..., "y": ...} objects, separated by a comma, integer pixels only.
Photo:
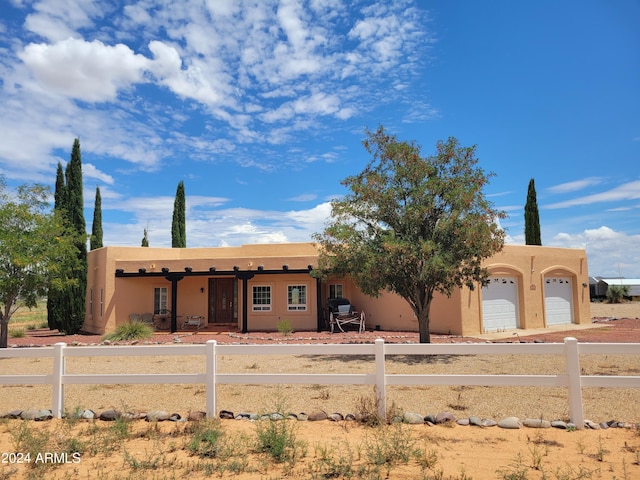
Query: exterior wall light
[
  {"x": 142, "y": 270},
  {"x": 285, "y": 267},
  {"x": 188, "y": 269},
  {"x": 165, "y": 270}
]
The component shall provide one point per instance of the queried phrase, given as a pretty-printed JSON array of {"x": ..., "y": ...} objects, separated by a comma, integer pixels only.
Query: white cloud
[
  {"x": 626, "y": 191},
  {"x": 57, "y": 20},
  {"x": 89, "y": 71},
  {"x": 90, "y": 171},
  {"x": 609, "y": 252},
  {"x": 575, "y": 185}
]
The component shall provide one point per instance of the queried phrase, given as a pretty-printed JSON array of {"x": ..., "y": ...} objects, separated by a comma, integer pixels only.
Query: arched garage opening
[
  {"x": 501, "y": 302},
  {"x": 558, "y": 298}
]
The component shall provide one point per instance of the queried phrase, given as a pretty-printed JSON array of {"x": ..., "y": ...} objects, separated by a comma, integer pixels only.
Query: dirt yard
[{"x": 344, "y": 449}]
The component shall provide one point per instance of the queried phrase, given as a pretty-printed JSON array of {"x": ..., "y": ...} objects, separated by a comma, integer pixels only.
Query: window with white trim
[
  {"x": 296, "y": 297},
  {"x": 261, "y": 298},
  {"x": 335, "y": 290},
  {"x": 160, "y": 295}
]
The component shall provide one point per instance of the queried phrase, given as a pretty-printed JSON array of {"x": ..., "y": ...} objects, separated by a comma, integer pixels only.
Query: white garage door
[
  {"x": 500, "y": 304},
  {"x": 558, "y": 300}
]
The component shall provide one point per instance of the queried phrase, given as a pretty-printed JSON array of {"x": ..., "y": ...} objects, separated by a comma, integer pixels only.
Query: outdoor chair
[
  {"x": 193, "y": 321},
  {"x": 342, "y": 314}
]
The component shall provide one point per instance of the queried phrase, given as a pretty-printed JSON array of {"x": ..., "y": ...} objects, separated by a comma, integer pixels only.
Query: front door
[{"x": 222, "y": 300}]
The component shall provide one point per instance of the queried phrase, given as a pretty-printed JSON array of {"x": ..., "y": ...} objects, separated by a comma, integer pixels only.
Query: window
[
  {"x": 101, "y": 302},
  {"x": 261, "y": 298},
  {"x": 159, "y": 299},
  {"x": 335, "y": 291},
  {"x": 297, "y": 297},
  {"x": 91, "y": 302}
]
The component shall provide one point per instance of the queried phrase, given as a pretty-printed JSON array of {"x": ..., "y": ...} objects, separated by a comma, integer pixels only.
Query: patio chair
[{"x": 342, "y": 314}]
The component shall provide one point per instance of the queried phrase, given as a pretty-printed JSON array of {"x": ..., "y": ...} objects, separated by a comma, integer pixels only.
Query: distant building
[
  {"x": 253, "y": 287},
  {"x": 598, "y": 286}
]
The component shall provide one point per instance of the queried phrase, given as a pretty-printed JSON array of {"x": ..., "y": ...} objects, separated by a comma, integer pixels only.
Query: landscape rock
[
  {"x": 37, "y": 415},
  {"x": 430, "y": 418},
  {"x": 444, "y": 417},
  {"x": 463, "y": 422},
  {"x": 413, "y": 418},
  {"x": 157, "y": 416},
  {"x": 559, "y": 424},
  {"x": 196, "y": 416},
  {"x": 512, "y": 423},
  {"x": 336, "y": 417},
  {"x": 536, "y": 423},
  {"x": 475, "y": 421},
  {"x": 591, "y": 425},
  {"x": 109, "y": 415},
  {"x": 226, "y": 414},
  {"x": 12, "y": 414},
  {"x": 317, "y": 416}
]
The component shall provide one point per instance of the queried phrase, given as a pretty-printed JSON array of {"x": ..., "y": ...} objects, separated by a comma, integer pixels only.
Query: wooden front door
[{"x": 222, "y": 300}]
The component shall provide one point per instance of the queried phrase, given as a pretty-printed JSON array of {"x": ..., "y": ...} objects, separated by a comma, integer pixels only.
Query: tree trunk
[
  {"x": 4, "y": 332},
  {"x": 423, "y": 325}
]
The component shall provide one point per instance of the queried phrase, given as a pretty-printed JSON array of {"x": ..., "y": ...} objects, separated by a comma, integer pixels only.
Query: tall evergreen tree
[
  {"x": 66, "y": 298},
  {"x": 531, "y": 217},
  {"x": 56, "y": 303},
  {"x": 96, "y": 228},
  {"x": 75, "y": 212},
  {"x": 179, "y": 223}
]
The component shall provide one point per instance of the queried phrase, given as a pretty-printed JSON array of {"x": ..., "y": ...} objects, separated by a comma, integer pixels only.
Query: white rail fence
[{"x": 571, "y": 379}]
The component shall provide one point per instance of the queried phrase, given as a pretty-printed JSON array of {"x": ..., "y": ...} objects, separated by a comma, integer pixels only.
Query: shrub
[
  {"x": 284, "y": 327},
  {"x": 616, "y": 293},
  {"x": 130, "y": 331},
  {"x": 16, "y": 333}
]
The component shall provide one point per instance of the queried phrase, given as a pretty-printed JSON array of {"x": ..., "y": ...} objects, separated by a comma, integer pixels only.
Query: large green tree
[
  {"x": 179, "y": 223},
  {"x": 532, "y": 217},
  {"x": 66, "y": 305},
  {"x": 413, "y": 225},
  {"x": 96, "y": 227},
  {"x": 33, "y": 248}
]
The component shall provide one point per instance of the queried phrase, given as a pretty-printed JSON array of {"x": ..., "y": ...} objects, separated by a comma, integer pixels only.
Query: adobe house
[{"x": 253, "y": 287}]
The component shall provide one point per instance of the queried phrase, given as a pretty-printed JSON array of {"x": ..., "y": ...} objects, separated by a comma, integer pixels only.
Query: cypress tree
[
  {"x": 55, "y": 297},
  {"x": 531, "y": 217},
  {"x": 178, "y": 224},
  {"x": 96, "y": 228},
  {"x": 76, "y": 290}
]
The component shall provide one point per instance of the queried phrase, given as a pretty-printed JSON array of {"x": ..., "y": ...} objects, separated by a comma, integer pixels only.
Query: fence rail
[{"x": 571, "y": 379}]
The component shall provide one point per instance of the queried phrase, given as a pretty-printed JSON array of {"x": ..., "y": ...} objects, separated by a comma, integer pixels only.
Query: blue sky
[{"x": 260, "y": 108}]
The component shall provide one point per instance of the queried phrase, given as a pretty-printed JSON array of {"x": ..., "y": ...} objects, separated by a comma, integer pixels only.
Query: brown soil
[{"x": 160, "y": 451}]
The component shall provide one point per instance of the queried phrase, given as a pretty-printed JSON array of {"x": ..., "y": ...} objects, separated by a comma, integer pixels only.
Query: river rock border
[{"x": 411, "y": 418}]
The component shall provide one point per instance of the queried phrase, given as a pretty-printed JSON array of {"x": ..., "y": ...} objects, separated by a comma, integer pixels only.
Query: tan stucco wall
[{"x": 459, "y": 315}]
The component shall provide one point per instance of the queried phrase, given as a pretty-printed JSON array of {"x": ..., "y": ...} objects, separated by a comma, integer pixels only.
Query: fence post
[
  {"x": 572, "y": 359},
  {"x": 57, "y": 386},
  {"x": 211, "y": 378},
  {"x": 381, "y": 379}
]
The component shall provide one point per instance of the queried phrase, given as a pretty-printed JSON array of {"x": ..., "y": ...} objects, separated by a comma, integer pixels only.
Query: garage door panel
[
  {"x": 500, "y": 304},
  {"x": 558, "y": 300}
]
